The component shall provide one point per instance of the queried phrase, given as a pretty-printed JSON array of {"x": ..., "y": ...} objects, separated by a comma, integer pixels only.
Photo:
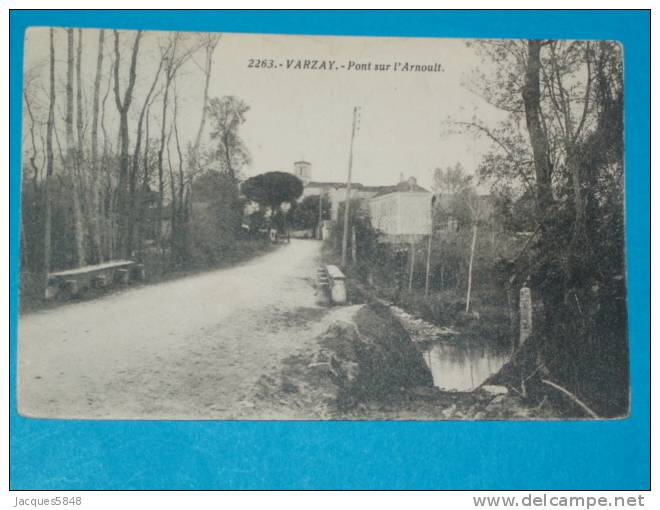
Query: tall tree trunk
[
  {"x": 161, "y": 151},
  {"x": 49, "y": 158},
  {"x": 72, "y": 157},
  {"x": 33, "y": 157},
  {"x": 168, "y": 56},
  {"x": 552, "y": 292},
  {"x": 133, "y": 192},
  {"x": 83, "y": 177},
  {"x": 144, "y": 195},
  {"x": 209, "y": 46},
  {"x": 95, "y": 205},
  {"x": 123, "y": 105},
  {"x": 178, "y": 217},
  {"x": 173, "y": 203},
  {"x": 27, "y": 211},
  {"x": 105, "y": 181},
  {"x": 173, "y": 60},
  {"x": 531, "y": 94},
  {"x": 79, "y": 101}
]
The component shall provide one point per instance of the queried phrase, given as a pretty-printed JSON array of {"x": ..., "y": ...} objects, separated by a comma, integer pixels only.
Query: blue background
[{"x": 51, "y": 454}]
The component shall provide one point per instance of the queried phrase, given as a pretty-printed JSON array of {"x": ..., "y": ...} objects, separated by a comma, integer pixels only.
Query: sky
[{"x": 405, "y": 117}]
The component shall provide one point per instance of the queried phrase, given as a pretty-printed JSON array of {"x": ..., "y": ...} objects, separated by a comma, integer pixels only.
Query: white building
[
  {"x": 401, "y": 213},
  {"x": 335, "y": 191}
]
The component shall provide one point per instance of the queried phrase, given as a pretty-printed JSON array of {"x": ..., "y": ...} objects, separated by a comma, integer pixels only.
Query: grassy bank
[
  {"x": 366, "y": 367},
  {"x": 488, "y": 317}
]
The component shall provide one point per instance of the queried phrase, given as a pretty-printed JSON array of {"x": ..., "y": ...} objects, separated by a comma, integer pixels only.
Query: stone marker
[{"x": 525, "y": 314}]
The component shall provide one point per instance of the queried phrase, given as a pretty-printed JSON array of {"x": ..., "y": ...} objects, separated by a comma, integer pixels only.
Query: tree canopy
[
  {"x": 227, "y": 115},
  {"x": 271, "y": 189},
  {"x": 305, "y": 214}
]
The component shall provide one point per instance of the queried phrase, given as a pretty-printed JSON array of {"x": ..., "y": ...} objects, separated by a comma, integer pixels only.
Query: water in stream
[
  {"x": 462, "y": 366},
  {"x": 457, "y": 364}
]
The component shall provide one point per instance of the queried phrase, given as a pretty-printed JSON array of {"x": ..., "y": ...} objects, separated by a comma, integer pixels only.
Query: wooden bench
[
  {"x": 337, "y": 284},
  {"x": 72, "y": 282}
]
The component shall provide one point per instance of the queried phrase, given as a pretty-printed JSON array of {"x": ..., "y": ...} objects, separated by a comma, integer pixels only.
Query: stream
[{"x": 456, "y": 364}]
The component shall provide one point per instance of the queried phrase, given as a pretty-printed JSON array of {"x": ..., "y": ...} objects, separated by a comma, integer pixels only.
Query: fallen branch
[
  {"x": 581, "y": 404},
  {"x": 534, "y": 372}
]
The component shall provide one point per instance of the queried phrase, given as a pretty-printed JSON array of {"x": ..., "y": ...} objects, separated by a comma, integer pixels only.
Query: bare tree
[
  {"x": 476, "y": 213},
  {"x": 79, "y": 99},
  {"x": 83, "y": 177},
  {"x": 173, "y": 57},
  {"x": 146, "y": 174},
  {"x": 209, "y": 43},
  {"x": 49, "y": 155},
  {"x": 178, "y": 212},
  {"x": 30, "y": 76},
  {"x": 133, "y": 195},
  {"x": 181, "y": 218},
  {"x": 94, "y": 177},
  {"x": 72, "y": 159},
  {"x": 106, "y": 179},
  {"x": 123, "y": 104},
  {"x": 34, "y": 168}
]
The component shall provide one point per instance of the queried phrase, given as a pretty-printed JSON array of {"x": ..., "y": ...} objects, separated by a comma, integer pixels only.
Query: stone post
[{"x": 525, "y": 314}]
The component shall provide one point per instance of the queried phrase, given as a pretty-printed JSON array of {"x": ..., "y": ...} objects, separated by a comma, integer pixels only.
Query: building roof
[
  {"x": 402, "y": 187},
  {"x": 340, "y": 185},
  {"x": 373, "y": 188},
  {"x": 317, "y": 184}
]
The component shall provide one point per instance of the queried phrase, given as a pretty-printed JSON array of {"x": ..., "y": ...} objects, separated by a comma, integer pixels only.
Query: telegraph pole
[
  {"x": 344, "y": 244},
  {"x": 319, "y": 226}
]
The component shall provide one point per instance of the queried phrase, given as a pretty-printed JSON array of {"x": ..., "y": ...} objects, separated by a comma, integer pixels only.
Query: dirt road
[{"x": 190, "y": 348}]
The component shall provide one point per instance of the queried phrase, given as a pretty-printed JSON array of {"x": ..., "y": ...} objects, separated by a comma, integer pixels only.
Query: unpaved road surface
[{"x": 189, "y": 348}]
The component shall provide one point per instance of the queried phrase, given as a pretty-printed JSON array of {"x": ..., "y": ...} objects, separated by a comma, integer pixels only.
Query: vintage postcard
[{"x": 260, "y": 227}]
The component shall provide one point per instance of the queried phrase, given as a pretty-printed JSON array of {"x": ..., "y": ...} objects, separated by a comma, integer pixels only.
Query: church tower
[{"x": 303, "y": 170}]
